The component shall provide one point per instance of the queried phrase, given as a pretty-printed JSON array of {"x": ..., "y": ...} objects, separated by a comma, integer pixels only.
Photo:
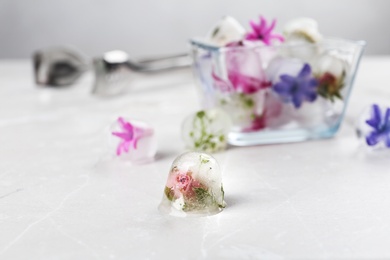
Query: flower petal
[
  {"x": 119, "y": 148},
  {"x": 262, "y": 26},
  {"x": 277, "y": 37},
  {"x": 387, "y": 119},
  {"x": 288, "y": 79},
  {"x": 313, "y": 83},
  {"x": 311, "y": 96},
  {"x": 246, "y": 83},
  {"x": 125, "y": 125},
  {"x": 121, "y": 122},
  {"x": 254, "y": 26},
  {"x": 124, "y": 136},
  {"x": 373, "y": 123},
  {"x": 126, "y": 146},
  {"x": 372, "y": 139},
  {"x": 270, "y": 28},
  {"x": 377, "y": 112},
  {"x": 297, "y": 101},
  {"x": 282, "y": 88},
  {"x": 375, "y": 119},
  {"x": 135, "y": 142},
  {"x": 219, "y": 83},
  {"x": 306, "y": 71}
]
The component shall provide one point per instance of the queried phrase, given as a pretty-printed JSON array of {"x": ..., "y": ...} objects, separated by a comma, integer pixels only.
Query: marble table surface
[{"x": 62, "y": 198}]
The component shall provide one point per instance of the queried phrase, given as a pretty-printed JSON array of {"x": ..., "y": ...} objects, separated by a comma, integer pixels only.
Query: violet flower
[
  {"x": 263, "y": 32},
  {"x": 130, "y": 136},
  {"x": 297, "y": 89},
  {"x": 381, "y": 126}
]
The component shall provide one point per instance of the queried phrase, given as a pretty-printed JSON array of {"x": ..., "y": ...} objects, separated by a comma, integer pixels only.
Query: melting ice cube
[
  {"x": 373, "y": 127},
  {"x": 133, "y": 140},
  {"x": 206, "y": 130},
  {"x": 194, "y": 186},
  {"x": 227, "y": 30}
]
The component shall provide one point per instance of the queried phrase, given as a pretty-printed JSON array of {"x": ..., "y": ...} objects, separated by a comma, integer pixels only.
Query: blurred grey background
[{"x": 147, "y": 28}]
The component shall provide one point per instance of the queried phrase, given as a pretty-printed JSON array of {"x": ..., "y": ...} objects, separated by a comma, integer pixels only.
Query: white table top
[{"x": 61, "y": 199}]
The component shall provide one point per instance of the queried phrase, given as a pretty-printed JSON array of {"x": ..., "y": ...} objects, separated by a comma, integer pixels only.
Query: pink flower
[
  {"x": 221, "y": 84},
  {"x": 245, "y": 73},
  {"x": 130, "y": 136},
  {"x": 257, "y": 123},
  {"x": 272, "y": 110},
  {"x": 246, "y": 84},
  {"x": 182, "y": 183},
  {"x": 263, "y": 32}
]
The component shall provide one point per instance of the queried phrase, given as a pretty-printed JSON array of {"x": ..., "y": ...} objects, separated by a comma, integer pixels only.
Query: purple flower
[
  {"x": 381, "y": 126},
  {"x": 130, "y": 136},
  {"x": 297, "y": 89},
  {"x": 263, "y": 32}
]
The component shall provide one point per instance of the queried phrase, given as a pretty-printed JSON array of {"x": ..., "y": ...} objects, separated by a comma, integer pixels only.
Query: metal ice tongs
[{"x": 112, "y": 71}]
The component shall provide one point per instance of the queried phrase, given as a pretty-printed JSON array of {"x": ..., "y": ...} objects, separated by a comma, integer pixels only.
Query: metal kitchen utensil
[
  {"x": 113, "y": 71},
  {"x": 58, "y": 66}
]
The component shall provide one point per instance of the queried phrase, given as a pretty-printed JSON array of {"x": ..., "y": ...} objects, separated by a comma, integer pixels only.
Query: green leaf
[
  {"x": 249, "y": 103},
  {"x": 169, "y": 193},
  {"x": 338, "y": 95},
  {"x": 216, "y": 30},
  {"x": 223, "y": 198},
  {"x": 202, "y": 195},
  {"x": 203, "y": 160},
  {"x": 201, "y": 114}
]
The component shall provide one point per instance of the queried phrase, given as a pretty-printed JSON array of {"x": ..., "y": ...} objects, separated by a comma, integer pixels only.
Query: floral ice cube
[
  {"x": 194, "y": 186},
  {"x": 206, "y": 130},
  {"x": 299, "y": 32},
  {"x": 280, "y": 66},
  {"x": 302, "y": 30},
  {"x": 133, "y": 140},
  {"x": 297, "y": 89},
  {"x": 292, "y": 81},
  {"x": 263, "y": 32},
  {"x": 241, "y": 92},
  {"x": 227, "y": 30},
  {"x": 331, "y": 71},
  {"x": 374, "y": 126},
  {"x": 245, "y": 110}
]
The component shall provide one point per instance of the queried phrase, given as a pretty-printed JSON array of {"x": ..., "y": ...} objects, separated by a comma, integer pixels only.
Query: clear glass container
[{"x": 277, "y": 94}]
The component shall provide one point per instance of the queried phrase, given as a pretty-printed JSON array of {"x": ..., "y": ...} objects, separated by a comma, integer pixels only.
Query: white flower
[
  {"x": 227, "y": 30},
  {"x": 302, "y": 30}
]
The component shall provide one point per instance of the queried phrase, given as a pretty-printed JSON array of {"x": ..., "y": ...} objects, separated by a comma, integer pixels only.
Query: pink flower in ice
[
  {"x": 245, "y": 73},
  {"x": 263, "y": 32},
  {"x": 182, "y": 183},
  {"x": 130, "y": 135},
  {"x": 221, "y": 84},
  {"x": 257, "y": 123}
]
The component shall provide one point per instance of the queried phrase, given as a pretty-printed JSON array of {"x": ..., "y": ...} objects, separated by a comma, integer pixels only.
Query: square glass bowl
[{"x": 277, "y": 94}]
